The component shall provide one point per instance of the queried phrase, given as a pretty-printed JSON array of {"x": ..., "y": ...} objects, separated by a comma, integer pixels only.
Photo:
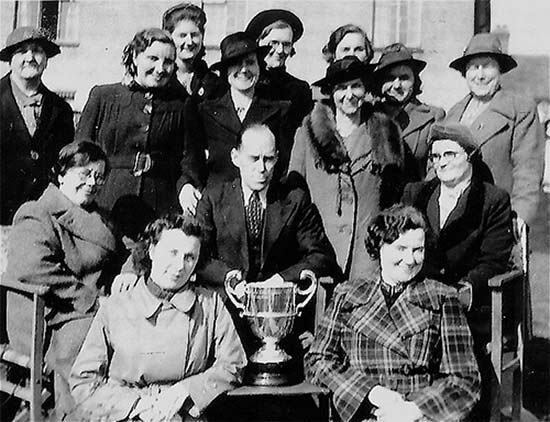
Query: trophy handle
[
  {"x": 231, "y": 294},
  {"x": 309, "y": 292}
]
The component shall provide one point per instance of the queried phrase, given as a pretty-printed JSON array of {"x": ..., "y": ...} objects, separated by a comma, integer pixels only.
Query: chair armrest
[
  {"x": 18, "y": 286},
  {"x": 499, "y": 280},
  {"x": 326, "y": 281}
]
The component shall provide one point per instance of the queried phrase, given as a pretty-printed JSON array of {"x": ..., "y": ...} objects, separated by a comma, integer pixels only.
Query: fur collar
[{"x": 331, "y": 154}]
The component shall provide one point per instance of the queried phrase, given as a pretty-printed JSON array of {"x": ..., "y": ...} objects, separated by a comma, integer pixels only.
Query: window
[
  {"x": 397, "y": 21},
  {"x": 58, "y": 17}
]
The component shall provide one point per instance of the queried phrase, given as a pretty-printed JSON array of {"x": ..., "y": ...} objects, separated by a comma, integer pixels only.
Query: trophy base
[{"x": 273, "y": 374}]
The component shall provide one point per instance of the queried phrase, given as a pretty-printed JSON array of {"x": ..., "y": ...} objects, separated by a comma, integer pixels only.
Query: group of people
[{"x": 183, "y": 177}]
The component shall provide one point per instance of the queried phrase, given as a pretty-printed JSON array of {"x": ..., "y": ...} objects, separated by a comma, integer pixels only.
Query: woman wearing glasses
[
  {"x": 472, "y": 225},
  {"x": 62, "y": 240}
]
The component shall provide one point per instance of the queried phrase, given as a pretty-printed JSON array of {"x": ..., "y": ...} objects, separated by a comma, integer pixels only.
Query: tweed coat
[
  {"x": 370, "y": 176},
  {"x": 212, "y": 130},
  {"x": 512, "y": 144},
  {"x": 416, "y": 120},
  {"x": 420, "y": 347},
  {"x": 25, "y": 160},
  {"x": 476, "y": 240},
  {"x": 126, "y": 120},
  {"x": 57, "y": 243}
]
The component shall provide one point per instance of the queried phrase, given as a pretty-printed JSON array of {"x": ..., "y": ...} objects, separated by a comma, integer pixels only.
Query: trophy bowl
[{"x": 270, "y": 310}]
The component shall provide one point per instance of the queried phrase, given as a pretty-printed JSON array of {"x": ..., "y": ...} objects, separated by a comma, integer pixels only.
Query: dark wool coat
[
  {"x": 25, "y": 160},
  {"x": 476, "y": 240},
  {"x": 511, "y": 139},
  {"x": 420, "y": 347},
  {"x": 124, "y": 122},
  {"x": 416, "y": 120},
  {"x": 278, "y": 84},
  {"x": 351, "y": 180},
  {"x": 205, "y": 84},
  {"x": 212, "y": 130}
]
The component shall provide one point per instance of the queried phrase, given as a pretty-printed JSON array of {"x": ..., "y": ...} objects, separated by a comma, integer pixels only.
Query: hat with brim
[
  {"x": 455, "y": 132},
  {"x": 398, "y": 54},
  {"x": 343, "y": 70},
  {"x": 27, "y": 34},
  {"x": 236, "y": 46},
  {"x": 267, "y": 17},
  {"x": 485, "y": 44}
]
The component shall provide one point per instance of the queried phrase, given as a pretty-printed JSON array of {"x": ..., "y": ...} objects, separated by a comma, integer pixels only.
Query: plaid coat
[{"x": 421, "y": 347}]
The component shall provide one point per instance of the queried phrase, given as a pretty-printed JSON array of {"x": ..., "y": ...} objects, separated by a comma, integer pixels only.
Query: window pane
[
  {"x": 68, "y": 21},
  {"x": 27, "y": 13}
]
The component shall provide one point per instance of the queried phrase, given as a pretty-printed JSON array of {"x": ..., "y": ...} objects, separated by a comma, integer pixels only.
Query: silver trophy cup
[{"x": 270, "y": 311}]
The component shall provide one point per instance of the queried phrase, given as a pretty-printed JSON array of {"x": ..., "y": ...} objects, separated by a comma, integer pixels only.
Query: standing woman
[
  {"x": 353, "y": 160},
  {"x": 348, "y": 40},
  {"x": 398, "y": 83},
  {"x": 185, "y": 22},
  {"x": 139, "y": 123},
  {"x": 505, "y": 124},
  {"x": 213, "y": 127},
  {"x": 62, "y": 240}
]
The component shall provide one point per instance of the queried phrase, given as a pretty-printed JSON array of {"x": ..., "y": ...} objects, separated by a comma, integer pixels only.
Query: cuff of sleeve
[{"x": 465, "y": 295}]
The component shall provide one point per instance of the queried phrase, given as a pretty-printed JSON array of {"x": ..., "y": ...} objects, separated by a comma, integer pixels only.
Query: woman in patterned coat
[{"x": 396, "y": 346}]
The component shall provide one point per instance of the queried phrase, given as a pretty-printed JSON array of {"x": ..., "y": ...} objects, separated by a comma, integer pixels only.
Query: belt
[{"x": 138, "y": 163}]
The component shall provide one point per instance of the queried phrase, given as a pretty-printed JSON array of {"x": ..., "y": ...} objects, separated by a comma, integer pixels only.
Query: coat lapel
[
  {"x": 492, "y": 120},
  {"x": 12, "y": 115},
  {"x": 414, "y": 117},
  {"x": 234, "y": 217},
  {"x": 224, "y": 113},
  {"x": 408, "y": 313},
  {"x": 370, "y": 316},
  {"x": 260, "y": 110}
]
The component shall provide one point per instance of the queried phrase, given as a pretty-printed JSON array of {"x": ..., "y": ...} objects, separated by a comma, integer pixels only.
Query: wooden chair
[
  {"x": 32, "y": 390},
  {"x": 510, "y": 325},
  {"x": 321, "y": 396}
]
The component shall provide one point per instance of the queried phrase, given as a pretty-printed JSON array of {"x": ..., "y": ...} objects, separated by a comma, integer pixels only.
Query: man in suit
[
  {"x": 471, "y": 221},
  {"x": 259, "y": 228},
  {"x": 35, "y": 123}
]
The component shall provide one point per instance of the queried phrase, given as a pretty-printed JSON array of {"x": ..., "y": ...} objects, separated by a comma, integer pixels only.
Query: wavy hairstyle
[
  {"x": 186, "y": 12},
  {"x": 329, "y": 50},
  {"x": 77, "y": 154},
  {"x": 188, "y": 224},
  {"x": 391, "y": 223},
  {"x": 141, "y": 41}
]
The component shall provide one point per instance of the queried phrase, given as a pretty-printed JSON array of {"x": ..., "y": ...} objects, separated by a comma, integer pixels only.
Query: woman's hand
[
  {"x": 124, "y": 282},
  {"x": 306, "y": 338},
  {"x": 384, "y": 397},
  {"x": 189, "y": 197},
  {"x": 402, "y": 411}
]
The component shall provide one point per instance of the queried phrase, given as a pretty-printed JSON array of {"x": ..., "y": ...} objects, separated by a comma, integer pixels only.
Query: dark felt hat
[
  {"x": 397, "y": 54},
  {"x": 235, "y": 46},
  {"x": 24, "y": 34},
  {"x": 485, "y": 44},
  {"x": 454, "y": 132},
  {"x": 267, "y": 17},
  {"x": 345, "y": 69}
]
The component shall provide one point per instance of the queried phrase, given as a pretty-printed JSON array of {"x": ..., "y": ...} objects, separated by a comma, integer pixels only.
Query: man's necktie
[{"x": 254, "y": 215}]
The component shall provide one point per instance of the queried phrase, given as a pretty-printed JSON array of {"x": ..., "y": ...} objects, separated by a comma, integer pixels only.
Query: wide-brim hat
[
  {"x": 452, "y": 131},
  {"x": 343, "y": 70},
  {"x": 485, "y": 44},
  {"x": 235, "y": 46},
  {"x": 267, "y": 17},
  {"x": 398, "y": 54},
  {"x": 24, "y": 34}
]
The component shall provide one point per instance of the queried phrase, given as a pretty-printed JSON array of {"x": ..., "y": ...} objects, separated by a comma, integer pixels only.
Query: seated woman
[
  {"x": 164, "y": 349},
  {"x": 63, "y": 240},
  {"x": 353, "y": 160},
  {"x": 396, "y": 346}
]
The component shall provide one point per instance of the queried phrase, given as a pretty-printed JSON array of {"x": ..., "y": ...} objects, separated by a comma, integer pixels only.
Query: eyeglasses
[
  {"x": 287, "y": 46},
  {"x": 84, "y": 175},
  {"x": 447, "y": 155}
]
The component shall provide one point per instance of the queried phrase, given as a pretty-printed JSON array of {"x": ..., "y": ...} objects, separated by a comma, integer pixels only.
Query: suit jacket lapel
[
  {"x": 277, "y": 213},
  {"x": 234, "y": 217},
  {"x": 260, "y": 110}
]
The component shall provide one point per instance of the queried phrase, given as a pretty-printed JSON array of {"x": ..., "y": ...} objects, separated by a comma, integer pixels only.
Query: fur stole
[{"x": 329, "y": 147}]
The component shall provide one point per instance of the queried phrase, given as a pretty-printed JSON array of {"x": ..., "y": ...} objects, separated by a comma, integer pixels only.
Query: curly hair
[
  {"x": 77, "y": 154},
  {"x": 188, "y": 224},
  {"x": 141, "y": 41},
  {"x": 329, "y": 50},
  {"x": 391, "y": 223}
]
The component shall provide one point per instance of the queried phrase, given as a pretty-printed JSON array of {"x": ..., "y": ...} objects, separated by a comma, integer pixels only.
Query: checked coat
[{"x": 420, "y": 347}]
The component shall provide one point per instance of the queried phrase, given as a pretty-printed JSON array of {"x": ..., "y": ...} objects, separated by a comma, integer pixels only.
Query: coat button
[
  {"x": 34, "y": 155},
  {"x": 442, "y": 271},
  {"x": 146, "y": 128}
]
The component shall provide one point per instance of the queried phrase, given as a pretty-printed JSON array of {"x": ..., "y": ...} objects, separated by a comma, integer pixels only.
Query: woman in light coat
[{"x": 353, "y": 160}]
